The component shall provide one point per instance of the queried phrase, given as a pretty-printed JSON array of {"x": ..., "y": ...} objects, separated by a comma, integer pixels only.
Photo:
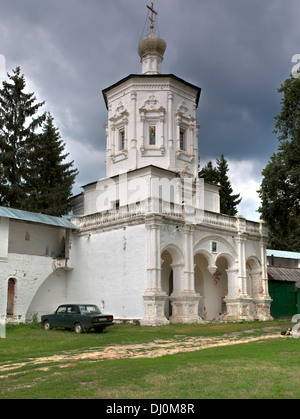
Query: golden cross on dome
[{"x": 151, "y": 18}]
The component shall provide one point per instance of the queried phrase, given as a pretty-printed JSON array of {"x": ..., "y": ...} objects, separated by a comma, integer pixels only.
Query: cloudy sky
[{"x": 238, "y": 51}]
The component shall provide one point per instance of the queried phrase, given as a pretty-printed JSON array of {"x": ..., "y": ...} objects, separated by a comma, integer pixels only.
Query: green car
[{"x": 80, "y": 317}]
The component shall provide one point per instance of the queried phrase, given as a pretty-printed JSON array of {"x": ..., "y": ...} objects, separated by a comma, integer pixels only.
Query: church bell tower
[{"x": 151, "y": 116}]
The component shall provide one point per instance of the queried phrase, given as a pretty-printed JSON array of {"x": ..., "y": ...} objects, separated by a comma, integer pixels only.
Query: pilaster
[{"x": 133, "y": 136}]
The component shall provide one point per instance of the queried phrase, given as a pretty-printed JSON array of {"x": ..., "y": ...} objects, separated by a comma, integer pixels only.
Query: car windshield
[{"x": 89, "y": 308}]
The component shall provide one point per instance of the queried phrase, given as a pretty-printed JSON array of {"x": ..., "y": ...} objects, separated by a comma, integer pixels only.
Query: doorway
[
  {"x": 167, "y": 281},
  {"x": 11, "y": 297}
]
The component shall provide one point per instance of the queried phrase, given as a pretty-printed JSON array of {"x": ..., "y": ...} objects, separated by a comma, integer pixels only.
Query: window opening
[
  {"x": 152, "y": 135},
  {"x": 182, "y": 139},
  {"x": 214, "y": 247},
  {"x": 122, "y": 139}
]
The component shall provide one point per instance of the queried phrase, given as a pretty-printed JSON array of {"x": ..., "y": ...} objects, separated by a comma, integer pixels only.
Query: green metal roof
[{"x": 35, "y": 217}]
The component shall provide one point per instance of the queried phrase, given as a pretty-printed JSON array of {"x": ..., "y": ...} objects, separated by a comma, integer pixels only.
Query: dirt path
[{"x": 154, "y": 349}]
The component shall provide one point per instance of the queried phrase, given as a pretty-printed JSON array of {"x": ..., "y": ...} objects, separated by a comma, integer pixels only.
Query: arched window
[{"x": 11, "y": 296}]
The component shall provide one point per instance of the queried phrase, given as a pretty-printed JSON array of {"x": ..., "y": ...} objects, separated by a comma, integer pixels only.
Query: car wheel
[
  {"x": 47, "y": 325},
  {"x": 78, "y": 328}
]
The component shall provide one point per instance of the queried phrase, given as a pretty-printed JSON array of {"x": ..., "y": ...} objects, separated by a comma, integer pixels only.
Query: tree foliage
[
  {"x": 280, "y": 187},
  {"x": 18, "y": 123},
  {"x": 219, "y": 176},
  {"x": 51, "y": 177},
  {"x": 34, "y": 175}
]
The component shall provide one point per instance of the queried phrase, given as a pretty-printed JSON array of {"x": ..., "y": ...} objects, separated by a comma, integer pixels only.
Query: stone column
[
  {"x": 263, "y": 303},
  {"x": 244, "y": 303},
  {"x": 184, "y": 299},
  {"x": 242, "y": 265},
  {"x": 237, "y": 306},
  {"x": 154, "y": 297}
]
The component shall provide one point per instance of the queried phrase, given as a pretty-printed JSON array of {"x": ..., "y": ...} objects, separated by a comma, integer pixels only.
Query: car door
[
  {"x": 58, "y": 318},
  {"x": 70, "y": 316}
]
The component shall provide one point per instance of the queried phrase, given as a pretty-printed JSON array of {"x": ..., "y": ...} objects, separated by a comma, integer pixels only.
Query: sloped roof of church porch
[
  {"x": 34, "y": 217},
  {"x": 151, "y": 77}
]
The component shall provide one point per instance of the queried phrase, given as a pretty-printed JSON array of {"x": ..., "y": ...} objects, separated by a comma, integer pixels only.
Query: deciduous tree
[{"x": 280, "y": 187}]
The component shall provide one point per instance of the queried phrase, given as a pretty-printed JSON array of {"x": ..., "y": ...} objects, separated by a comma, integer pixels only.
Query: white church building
[{"x": 148, "y": 242}]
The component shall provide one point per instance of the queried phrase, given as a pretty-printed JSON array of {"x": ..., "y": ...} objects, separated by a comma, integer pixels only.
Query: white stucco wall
[
  {"x": 111, "y": 270},
  {"x": 4, "y": 236},
  {"x": 30, "y": 273},
  {"x": 35, "y": 239}
]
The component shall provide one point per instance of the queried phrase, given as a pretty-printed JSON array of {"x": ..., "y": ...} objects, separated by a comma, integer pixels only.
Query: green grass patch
[{"x": 263, "y": 369}]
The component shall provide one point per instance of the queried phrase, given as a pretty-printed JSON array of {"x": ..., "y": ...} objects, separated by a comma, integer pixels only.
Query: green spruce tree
[
  {"x": 51, "y": 176},
  {"x": 209, "y": 173},
  {"x": 34, "y": 173},
  {"x": 18, "y": 124},
  {"x": 218, "y": 176},
  {"x": 228, "y": 200}
]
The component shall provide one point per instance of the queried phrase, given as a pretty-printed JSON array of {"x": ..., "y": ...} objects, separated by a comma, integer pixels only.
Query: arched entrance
[
  {"x": 211, "y": 283},
  {"x": 167, "y": 280},
  {"x": 171, "y": 276},
  {"x": 221, "y": 276},
  {"x": 11, "y": 290},
  {"x": 201, "y": 271},
  {"x": 254, "y": 282}
]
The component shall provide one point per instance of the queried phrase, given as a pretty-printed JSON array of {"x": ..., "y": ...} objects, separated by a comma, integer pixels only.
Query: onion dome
[
  {"x": 151, "y": 50},
  {"x": 152, "y": 44}
]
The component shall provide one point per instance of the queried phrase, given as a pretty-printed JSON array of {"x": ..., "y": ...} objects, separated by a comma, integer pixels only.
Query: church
[{"x": 148, "y": 242}]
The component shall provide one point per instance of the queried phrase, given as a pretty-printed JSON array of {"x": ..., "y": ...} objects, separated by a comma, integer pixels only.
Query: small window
[
  {"x": 152, "y": 135},
  {"x": 121, "y": 139},
  {"x": 116, "y": 205},
  {"x": 182, "y": 139},
  {"x": 214, "y": 247}
]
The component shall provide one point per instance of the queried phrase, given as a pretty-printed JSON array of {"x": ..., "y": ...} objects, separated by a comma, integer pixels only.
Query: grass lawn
[{"x": 261, "y": 369}]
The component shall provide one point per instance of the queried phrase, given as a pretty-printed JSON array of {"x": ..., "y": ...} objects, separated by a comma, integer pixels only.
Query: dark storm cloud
[{"x": 237, "y": 51}]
